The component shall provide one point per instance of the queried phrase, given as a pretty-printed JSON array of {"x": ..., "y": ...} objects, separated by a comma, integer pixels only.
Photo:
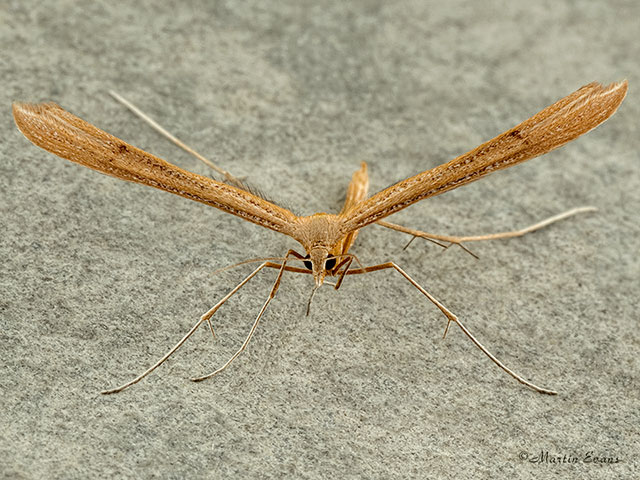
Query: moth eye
[
  {"x": 307, "y": 263},
  {"x": 330, "y": 263}
]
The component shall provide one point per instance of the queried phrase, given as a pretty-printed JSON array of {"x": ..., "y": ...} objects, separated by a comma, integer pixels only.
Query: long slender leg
[
  {"x": 452, "y": 318},
  {"x": 269, "y": 264},
  {"x": 492, "y": 236},
  {"x": 244, "y": 262},
  {"x": 343, "y": 273},
  {"x": 272, "y": 294},
  {"x": 156, "y": 126},
  {"x": 206, "y": 317}
]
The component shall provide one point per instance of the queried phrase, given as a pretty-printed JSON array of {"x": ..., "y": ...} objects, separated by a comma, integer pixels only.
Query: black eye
[
  {"x": 328, "y": 264},
  {"x": 307, "y": 263}
]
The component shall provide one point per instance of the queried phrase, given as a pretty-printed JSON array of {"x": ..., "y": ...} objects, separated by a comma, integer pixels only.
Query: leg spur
[
  {"x": 451, "y": 318},
  {"x": 460, "y": 240}
]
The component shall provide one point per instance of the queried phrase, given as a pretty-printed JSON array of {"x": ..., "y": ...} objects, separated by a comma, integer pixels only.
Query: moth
[{"x": 326, "y": 238}]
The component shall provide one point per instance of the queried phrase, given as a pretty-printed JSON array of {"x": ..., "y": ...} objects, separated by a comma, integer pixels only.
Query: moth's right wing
[{"x": 54, "y": 129}]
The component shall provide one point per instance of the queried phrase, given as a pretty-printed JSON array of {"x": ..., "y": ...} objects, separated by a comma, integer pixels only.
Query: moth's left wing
[{"x": 551, "y": 128}]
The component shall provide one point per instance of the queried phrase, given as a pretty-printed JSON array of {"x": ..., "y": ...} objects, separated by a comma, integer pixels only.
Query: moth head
[{"x": 319, "y": 262}]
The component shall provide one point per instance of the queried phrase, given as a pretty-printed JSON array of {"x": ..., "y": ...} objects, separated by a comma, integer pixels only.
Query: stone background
[{"x": 100, "y": 277}]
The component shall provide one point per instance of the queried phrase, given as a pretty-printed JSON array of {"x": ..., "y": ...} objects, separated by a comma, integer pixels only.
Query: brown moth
[{"x": 326, "y": 238}]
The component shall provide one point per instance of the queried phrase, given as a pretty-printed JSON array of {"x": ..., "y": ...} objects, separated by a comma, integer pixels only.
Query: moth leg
[
  {"x": 206, "y": 317},
  {"x": 272, "y": 294},
  {"x": 459, "y": 240},
  {"x": 347, "y": 264},
  {"x": 451, "y": 317},
  {"x": 157, "y": 127},
  {"x": 213, "y": 333}
]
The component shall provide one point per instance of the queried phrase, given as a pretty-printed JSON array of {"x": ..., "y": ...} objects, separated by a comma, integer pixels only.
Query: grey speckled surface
[{"x": 100, "y": 277}]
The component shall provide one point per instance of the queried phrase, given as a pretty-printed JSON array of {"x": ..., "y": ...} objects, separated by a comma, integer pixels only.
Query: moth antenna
[{"x": 158, "y": 128}]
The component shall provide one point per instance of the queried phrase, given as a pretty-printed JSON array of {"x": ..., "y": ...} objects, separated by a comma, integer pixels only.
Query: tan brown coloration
[
  {"x": 491, "y": 236},
  {"x": 228, "y": 177},
  {"x": 326, "y": 238},
  {"x": 56, "y": 130},
  {"x": 551, "y": 128}
]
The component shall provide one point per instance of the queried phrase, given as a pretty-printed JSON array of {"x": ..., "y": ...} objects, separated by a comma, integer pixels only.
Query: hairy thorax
[{"x": 319, "y": 231}]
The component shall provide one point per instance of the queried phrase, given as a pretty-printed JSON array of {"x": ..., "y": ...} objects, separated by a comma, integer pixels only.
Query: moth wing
[
  {"x": 54, "y": 129},
  {"x": 551, "y": 128}
]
